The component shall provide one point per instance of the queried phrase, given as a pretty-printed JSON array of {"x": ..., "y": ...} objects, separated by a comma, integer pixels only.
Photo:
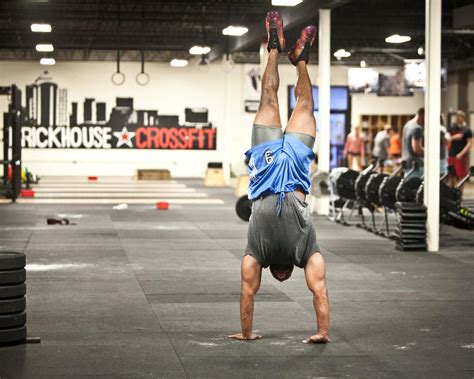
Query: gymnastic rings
[
  {"x": 142, "y": 77},
  {"x": 118, "y": 78}
]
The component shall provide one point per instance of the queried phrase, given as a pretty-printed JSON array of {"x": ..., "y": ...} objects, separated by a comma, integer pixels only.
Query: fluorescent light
[
  {"x": 45, "y": 47},
  {"x": 285, "y": 3},
  {"x": 199, "y": 50},
  {"x": 48, "y": 61},
  {"x": 41, "y": 28},
  {"x": 341, "y": 53},
  {"x": 397, "y": 38},
  {"x": 179, "y": 63},
  {"x": 232, "y": 30}
]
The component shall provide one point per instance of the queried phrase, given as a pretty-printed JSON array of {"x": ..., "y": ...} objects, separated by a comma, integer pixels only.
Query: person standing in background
[
  {"x": 461, "y": 143},
  {"x": 395, "y": 149},
  {"x": 412, "y": 143},
  {"x": 382, "y": 143},
  {"x": 354, "y": 148}
]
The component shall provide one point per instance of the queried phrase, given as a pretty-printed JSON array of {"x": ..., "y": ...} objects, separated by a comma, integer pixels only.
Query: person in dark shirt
[{"x": 461, "y": 143}]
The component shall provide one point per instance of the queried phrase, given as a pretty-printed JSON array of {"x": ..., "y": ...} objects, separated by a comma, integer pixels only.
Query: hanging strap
[{"x": 281, "y": 197}]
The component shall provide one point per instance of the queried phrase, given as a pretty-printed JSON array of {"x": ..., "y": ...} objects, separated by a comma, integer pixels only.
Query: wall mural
[{"x": 46, "y": 123}]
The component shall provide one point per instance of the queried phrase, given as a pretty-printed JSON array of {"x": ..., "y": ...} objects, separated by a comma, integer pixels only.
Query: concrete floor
[{"x": 141, "y": 292}]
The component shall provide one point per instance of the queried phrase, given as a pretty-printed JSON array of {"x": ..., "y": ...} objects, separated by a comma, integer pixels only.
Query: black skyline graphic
[
  {"x": 46, "y": 111},
  {"x": 46, "y": 105}
]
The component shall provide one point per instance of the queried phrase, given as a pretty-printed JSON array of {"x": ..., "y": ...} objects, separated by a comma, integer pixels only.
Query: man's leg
[
  {"x": 359, "y": 162},
  {"x": 315, "y": 274},
  {"x": 251, "y": 277},
  {"x": 267, "y": 123},
  {"x": 302, "y": 119},
  {"x": 349, "y": 161},
  {"x": 269, "y": 111}
]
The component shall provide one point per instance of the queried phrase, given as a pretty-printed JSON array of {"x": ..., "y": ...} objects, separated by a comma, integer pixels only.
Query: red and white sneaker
[
  {"x": 300, "y": 51},
  {"x": 274, "y": 25}
]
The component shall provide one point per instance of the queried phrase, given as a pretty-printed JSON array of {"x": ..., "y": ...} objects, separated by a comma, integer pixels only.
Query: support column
[
  {"x": 323, "y": 135},
  {"x": 228, "y": 128},
  {"x": 432, "y": 119}
]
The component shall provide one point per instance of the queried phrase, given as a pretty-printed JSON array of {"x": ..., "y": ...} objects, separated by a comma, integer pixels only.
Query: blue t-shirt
[{"x": 279, "y": 166}]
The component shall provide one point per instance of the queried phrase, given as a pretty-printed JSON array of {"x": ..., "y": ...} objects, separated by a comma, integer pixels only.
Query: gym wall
[{"x": 170, "y": 91}]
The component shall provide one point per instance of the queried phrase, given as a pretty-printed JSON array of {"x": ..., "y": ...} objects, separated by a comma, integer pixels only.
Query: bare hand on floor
[{"x": 241, "y": 337}]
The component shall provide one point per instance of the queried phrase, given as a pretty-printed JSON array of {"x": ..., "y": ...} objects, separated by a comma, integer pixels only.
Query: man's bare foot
[
  {"x": 241, "y": 337},
  {"x": 317, "y": 338}
]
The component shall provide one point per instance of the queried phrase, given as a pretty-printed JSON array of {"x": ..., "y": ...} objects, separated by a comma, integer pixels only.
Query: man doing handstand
[{"x": 281, "y": 234}]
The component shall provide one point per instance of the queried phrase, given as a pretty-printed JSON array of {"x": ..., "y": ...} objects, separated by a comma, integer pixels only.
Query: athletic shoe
[
  {"x": 274, "y": 25},
  {"x": 300, "y": 51}
]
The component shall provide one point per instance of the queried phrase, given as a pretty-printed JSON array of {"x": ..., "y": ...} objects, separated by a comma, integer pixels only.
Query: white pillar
[
  {"x": 263, "y": 54},
  {"x": 323, "y": 135},
  {"x": 432, "y": 119},
  {"x": 228, "y": 128}
]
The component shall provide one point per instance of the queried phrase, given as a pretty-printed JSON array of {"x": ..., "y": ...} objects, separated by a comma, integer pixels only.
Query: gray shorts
[
  {"x": 262, "y": 133},
  {"x": 286, "y": 239}
]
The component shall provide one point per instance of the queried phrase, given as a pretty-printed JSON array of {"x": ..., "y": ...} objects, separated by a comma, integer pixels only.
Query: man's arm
[
  {"x": 386, "y": 146},
  {"x": 466, "y": 149},
  {"x": 417, "y": 147},
  {"x": 346, "y": 145},
  {"x": 315, "y": 274},
  {"x": 362, "y": 148},
  {"x": 251, "y": 277},
  {"x": 416, "y": 139}
]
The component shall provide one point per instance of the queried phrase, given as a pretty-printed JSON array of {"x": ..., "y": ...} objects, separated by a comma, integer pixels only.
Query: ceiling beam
[{"x": 292, "y": 17}]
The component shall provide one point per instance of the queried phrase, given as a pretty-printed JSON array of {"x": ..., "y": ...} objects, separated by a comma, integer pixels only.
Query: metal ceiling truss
[{"x": 95, "y": 29}]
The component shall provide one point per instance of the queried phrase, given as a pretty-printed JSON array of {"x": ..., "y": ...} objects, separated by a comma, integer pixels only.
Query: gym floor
[{"x": 143, "y": 292}]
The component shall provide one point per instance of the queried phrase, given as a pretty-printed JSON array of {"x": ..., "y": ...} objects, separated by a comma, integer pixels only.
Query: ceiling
[{"x": 95, "y": 29}]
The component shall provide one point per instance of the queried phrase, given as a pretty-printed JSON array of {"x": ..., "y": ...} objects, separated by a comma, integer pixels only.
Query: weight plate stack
[
  {"x": 410, "y": 233},
  {"x": 12, "y": 298}
]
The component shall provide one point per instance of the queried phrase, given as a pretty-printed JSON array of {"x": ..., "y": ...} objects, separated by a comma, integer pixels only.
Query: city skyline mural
[{"x": 48, "y": 122}]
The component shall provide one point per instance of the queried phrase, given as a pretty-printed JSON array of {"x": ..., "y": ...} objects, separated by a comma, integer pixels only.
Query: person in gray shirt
[
  {"x": 381, "y": 143},
  {"x": 412, "y": 143},
  {"x": 445, "y": 138}
]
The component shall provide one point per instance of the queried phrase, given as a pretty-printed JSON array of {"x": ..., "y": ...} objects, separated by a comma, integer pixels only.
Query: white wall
[
  {"x": 449, "y": 97},
  {"x": 170, "y": 91}
]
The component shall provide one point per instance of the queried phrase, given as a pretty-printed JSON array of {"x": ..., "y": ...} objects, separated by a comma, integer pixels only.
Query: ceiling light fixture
[
  {"x": 47, "y": 61},
  {"x": 41, "y": 28},
  {"x": 341, "y": 53},
  {"x": 179, "y": 63},
  {"x": 420, "y": 51},
  {"x": 44, "y": 47},
  {"x": 286, "y": 3},
  {"x": 397, "y": 38},
  {"x": 233, "y": 30},
  {"x": 363, "y": 63},
  {"x": 199, "y": 50}
]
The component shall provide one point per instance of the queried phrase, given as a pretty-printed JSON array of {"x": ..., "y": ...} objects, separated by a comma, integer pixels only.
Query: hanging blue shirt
[{"x": 277, "y": 167}]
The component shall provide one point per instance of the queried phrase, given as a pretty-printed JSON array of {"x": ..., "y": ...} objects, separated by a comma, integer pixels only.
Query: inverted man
[{"x": 281, "y": 232}]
